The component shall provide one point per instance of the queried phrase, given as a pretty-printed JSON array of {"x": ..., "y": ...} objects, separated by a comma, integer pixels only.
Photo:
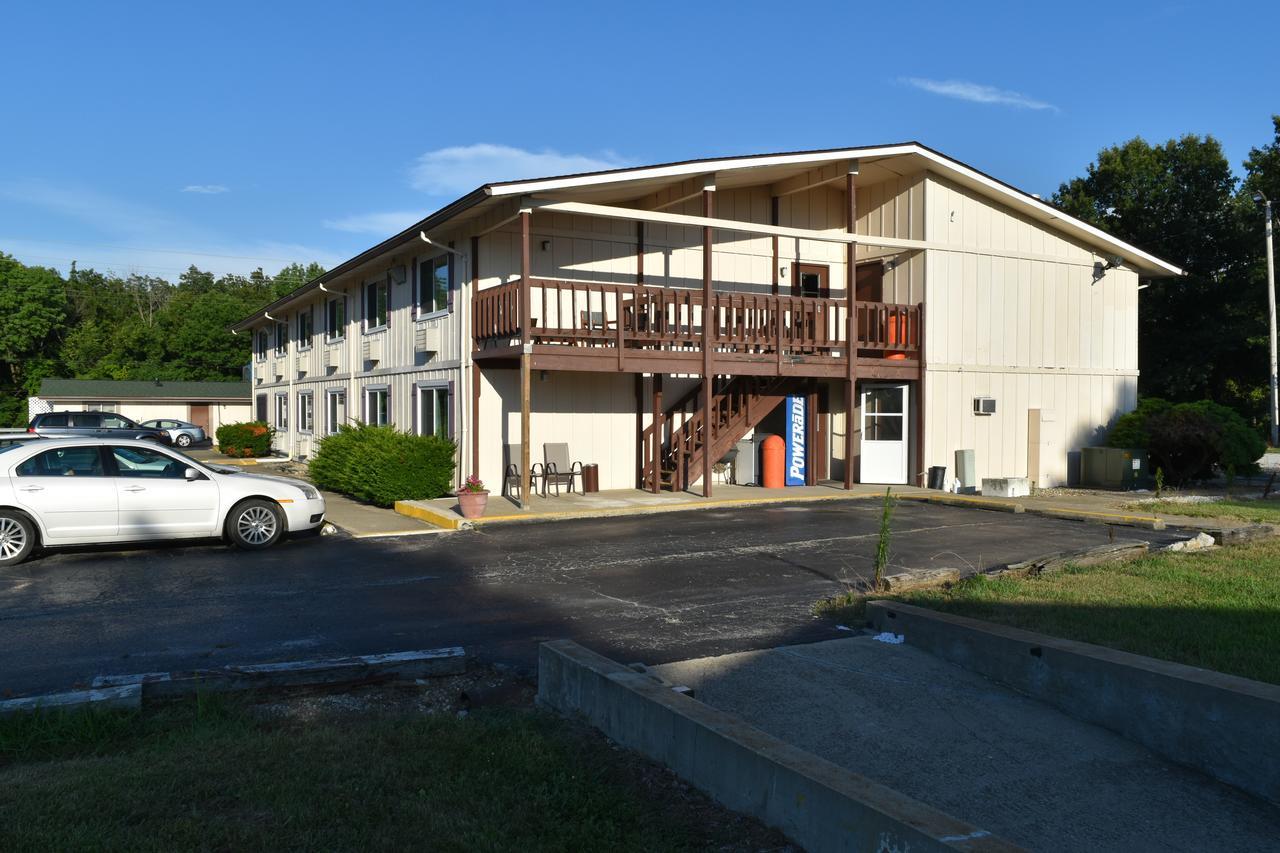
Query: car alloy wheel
[
  {"x": 17, "y": 538},
  {"x": 257, "y": 525},
  {"x": 184, "y": 440}
]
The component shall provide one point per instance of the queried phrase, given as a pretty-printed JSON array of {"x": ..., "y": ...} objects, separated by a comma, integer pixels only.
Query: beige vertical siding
[
  {"x": 1013, "y": 313},
  {"x": 594, "y": 413}
]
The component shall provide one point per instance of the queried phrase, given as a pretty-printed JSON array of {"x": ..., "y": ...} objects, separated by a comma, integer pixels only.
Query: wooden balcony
[{"x": 576, "y": 325}]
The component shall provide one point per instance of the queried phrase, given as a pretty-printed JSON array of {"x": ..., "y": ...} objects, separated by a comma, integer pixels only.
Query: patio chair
[
  {"x": 558, "y": 470},
  {"x": 511, "y": 473}
]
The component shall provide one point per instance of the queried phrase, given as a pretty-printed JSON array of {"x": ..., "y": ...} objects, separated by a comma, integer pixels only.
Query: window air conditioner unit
[
  {"x": 984, "y": 405},
  {"x": 372, "y": 349},
  {"x": 332, "y": 357},
  {"x": 427, "y": 338}
]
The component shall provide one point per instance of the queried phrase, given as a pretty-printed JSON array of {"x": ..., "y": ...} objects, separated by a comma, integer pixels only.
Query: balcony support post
[
  {"x": 658, "y": 427},
  {"x": 475, "y": 366},
  {"x": 526, "y": 359},
  {"x": 708, "y": 317},
  {"x": 851, "y": 334}
]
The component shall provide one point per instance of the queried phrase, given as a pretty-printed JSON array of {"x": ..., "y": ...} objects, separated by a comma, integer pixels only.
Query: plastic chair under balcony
[{"x": 558, "y": 470}]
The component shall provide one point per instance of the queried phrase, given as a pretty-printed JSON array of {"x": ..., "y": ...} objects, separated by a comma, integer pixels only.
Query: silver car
[{"x": 181, "y": 433}]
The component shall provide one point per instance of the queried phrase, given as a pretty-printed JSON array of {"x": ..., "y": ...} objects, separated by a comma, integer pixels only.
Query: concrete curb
[
  {"x": 1080, "y": 557},
  {"x": 966, "y": 501},
  {"x": 395, "y": 666},
  {"x": 1222, "y": 725},
  {"x": 819, "y": 805},
  {"x": 126, "y": 697},
  {"x": 451, "y": 521}
]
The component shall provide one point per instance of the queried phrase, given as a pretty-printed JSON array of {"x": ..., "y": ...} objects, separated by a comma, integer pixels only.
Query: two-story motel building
[{"x": 913, "y": 305}]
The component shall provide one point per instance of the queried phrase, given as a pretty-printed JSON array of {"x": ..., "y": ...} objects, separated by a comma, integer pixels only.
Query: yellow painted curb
[{"x": 452, "y": 522}]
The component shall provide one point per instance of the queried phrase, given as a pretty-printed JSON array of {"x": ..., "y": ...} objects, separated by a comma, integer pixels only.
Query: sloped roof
[
  {"x": 642, "y": 176},
  {"x": 111, "y": 389}
]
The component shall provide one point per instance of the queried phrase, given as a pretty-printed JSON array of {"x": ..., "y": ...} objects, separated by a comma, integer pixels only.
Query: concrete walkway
[
  {"x": 444, "y": 512},
  {"x": 975, "y": 750},
  {"x": 364, "y": 521}
]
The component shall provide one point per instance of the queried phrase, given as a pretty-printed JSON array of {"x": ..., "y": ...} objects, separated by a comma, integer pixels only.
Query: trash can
[
  {"x": 590, "y": 478},
  {"x": 938, "y": 477}
]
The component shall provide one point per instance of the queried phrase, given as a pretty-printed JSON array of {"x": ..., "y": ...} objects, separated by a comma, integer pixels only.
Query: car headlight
[{"x": 309, "y": 493}]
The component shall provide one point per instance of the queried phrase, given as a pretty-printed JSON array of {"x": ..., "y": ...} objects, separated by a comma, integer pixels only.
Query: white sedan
[{"x": 69, "y": 491}]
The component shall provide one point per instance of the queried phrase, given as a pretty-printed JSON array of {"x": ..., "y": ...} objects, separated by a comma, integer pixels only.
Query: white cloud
[
  {"x": 384, "y": 223},
  {"x": 460, "y": 168},
  {"x": 206, "y": 189},
  {"x": 977, "y": 93},
  {"x": 122, "y": 236},
  {"x": 165, "y": 260}
]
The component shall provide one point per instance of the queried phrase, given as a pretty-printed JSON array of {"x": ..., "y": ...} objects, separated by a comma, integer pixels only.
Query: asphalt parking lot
[{"x": 652, "y": 588}]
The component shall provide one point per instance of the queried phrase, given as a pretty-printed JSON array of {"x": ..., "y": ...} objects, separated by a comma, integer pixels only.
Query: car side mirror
[{"x": 190, "y": 474}]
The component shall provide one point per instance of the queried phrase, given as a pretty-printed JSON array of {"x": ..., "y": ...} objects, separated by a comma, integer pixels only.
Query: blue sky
[{"x": 146, "y": 136}]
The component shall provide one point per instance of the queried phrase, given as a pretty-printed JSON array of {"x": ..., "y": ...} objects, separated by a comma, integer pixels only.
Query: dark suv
[{"x": 96, "y": 424}]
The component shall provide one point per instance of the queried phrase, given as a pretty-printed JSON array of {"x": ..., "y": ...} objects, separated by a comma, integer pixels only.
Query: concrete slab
[
  {"x": 364, "y": 521},
  {"x": 443, "y": 512},
  {"x": 985, "y": 754}
]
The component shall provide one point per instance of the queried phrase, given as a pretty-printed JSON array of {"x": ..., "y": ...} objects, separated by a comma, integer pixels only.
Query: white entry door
[{"x": 884, "y": 434}]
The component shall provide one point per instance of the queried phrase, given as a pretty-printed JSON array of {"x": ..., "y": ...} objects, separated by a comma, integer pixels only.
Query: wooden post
[
  {"x": 773, "y": 220},
  {"x": 656, "y": 450},
  {"x": 851, "y": 336},
  {"x": 526, "y": 358},
  {"x": 810, "y": 435},
  {"x": 640, "y": 481},
  {"x": 475, "y": 365},
  {"x": 640, "y": 253},
  {"x": 921, "y": 468},
  {"x": 708, "y": 210}
]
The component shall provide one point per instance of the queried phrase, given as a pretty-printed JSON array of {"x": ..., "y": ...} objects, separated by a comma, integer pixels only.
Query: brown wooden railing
[{"x": 595, "y": 314}]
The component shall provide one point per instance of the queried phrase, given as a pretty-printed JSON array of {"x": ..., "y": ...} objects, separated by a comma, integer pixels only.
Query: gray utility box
[{"x": 1112, "y": 467}]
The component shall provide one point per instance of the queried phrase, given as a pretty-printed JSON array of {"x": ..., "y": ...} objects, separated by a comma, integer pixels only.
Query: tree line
[
  {"x": 92, "y": 325},
  {"x": 1203, "y": 336}
]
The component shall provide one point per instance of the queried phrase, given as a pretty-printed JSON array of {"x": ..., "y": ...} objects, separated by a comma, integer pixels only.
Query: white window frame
[
  {"x": 282, "y": 346},
  {"x": 385, "y": 283},
  {"x": 306, "y": 412},
  {"x": 304, "y": 343},
  {"x": 331, "y": 335},
  {"x": 101, "y": 406},
  {"x": 420, "y": 420},
  {"x": 421, "y": 285},
  {"x": 330, "y": 409},
  {"x": 367, "y": 392},
  {"x": 281, "y": 422}
]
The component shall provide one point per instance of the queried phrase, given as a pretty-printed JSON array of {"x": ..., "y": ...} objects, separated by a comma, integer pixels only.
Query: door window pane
[
  {"x": 883, "y": 400},
  {"x": 883, "y": 428},
  {"x": 145, "y": 462},
  {"x": 337, "y": 411},
  {"x": 90, "y": 420},
  {"x": 116, "y": 422},
  {"x": 305, "y": 415},
  {"x": 433, "y": 412},
  {"x": 282, "y": 411},
  {"x": 54, "y": 420},
  {"x": 63, "y": 462}
]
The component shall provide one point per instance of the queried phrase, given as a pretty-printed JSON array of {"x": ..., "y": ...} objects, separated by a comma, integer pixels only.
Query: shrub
[
  {"x": 380, "y": 465},
  {"x": 252, "y": 438},
  {"x": 1190, "y": 440}
]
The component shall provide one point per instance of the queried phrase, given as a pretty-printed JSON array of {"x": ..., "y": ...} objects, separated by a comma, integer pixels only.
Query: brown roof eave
[{"x": 442, "y": 215}]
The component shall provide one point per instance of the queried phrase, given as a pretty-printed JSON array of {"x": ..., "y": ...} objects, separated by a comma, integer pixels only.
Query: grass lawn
[
  {"x": 215, "y": 777},
  {"x": 1261, "y": 511},
  {"x": 1218, "y": 609}
]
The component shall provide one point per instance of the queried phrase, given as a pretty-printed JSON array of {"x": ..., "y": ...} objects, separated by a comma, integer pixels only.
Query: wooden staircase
[{"x": 738, "y": 404}]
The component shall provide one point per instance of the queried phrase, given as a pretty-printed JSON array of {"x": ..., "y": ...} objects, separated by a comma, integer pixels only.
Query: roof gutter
[{"x": 413, "y": 232}]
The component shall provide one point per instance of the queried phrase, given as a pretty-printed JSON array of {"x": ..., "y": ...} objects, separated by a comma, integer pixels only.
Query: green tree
[
  {"x": 33, "y": 317},
  {"x": 1203, "y": 335}
]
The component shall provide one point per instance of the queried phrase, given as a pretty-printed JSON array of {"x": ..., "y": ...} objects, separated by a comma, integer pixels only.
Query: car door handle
[
  {"x": 135, "y": 488},
  {"x": 31, "y": 488}
]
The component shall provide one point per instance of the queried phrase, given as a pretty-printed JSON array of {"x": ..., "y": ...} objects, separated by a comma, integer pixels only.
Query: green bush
[
  {"x": 245, "y": 439},
  {"x": 380, "y": 465},
  {"x": 1190, "y": 440}
]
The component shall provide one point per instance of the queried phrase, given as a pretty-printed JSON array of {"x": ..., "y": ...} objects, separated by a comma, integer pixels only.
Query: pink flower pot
[{"x": 472, "y": 504}]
